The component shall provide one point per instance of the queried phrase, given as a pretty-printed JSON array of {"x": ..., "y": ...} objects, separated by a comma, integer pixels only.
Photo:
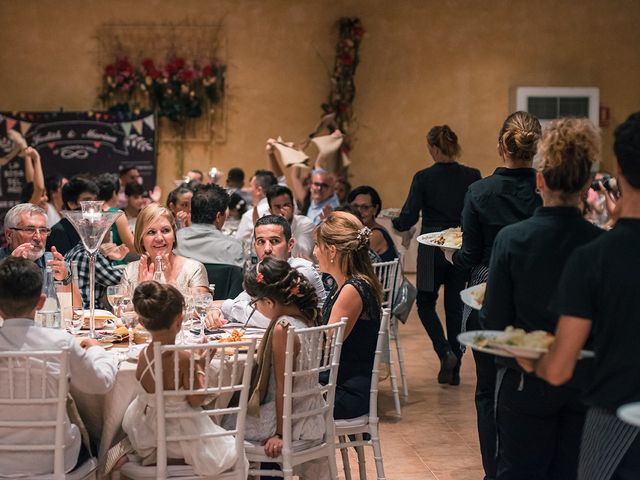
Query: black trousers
[
  {"x": 453, "y": 280},
  {"x": 485, "y": 400},
  {"x": 629, "y": 468},
  {"x": 539, "y": 429}
]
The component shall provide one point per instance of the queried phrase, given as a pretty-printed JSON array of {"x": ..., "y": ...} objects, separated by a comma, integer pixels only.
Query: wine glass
[
  {"x": 130, "y": 318},
  {"x": 115, "y": 294},
  {"x": 202, "y": 303}
]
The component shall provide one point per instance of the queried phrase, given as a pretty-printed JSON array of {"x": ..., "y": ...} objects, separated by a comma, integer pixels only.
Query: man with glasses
[
  {"x": 323, "y": 196},
  {"x": 280, "y": 200}
]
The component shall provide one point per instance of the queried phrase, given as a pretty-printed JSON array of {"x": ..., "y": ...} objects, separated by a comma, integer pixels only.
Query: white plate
[
  {"x": 469, "y": 339},
  {"x": 429, "y": 239},
  {"x": 522, "y": 352},
  {"x": 467, "y": 295},
  {"x": 390, "y": 213},
  {"x": 630, "y": 413}
]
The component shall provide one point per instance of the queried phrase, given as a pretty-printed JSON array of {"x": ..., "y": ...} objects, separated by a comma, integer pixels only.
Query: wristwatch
[{"x": 68, "y": 279}]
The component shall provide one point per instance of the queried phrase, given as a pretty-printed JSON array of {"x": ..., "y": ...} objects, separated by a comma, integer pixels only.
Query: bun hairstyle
[
  {"x": 351, "y": 239},
  {"x": 276, "y": 279},
  {"x": 568, "y": 149},
  {"x": 519, "y": 136},
  {"x": 442, "y": 136},
  {"x": 157, "y": 305}
]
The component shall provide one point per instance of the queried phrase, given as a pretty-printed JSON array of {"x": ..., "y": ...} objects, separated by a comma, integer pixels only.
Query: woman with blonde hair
[
  {"x": 342, "y": 245},
  {"x": 540, "y": 425},
  {"x": 508, "y": 196},
  {"x": 154, "y": 240}
]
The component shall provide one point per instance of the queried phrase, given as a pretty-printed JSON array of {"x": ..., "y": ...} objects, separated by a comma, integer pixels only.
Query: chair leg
[
  {"x": 362, "y": 466},
  {"x": 333, "y": 466},
  {"x": 394, "y": 381},
  {"x": 377, "y": 452},
  {"x": 403, "y": 373},
  {"x": 345, "y": 458}
]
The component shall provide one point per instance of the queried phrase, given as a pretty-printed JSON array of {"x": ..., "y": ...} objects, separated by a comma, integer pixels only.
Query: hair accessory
[
  {"x": 295, "y": 290},
  {"x": 259, "y": 276},
  {"x": 363, "y": 236}
]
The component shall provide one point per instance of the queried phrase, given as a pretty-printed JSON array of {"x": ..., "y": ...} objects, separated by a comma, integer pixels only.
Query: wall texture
[{"x": 423, "y": 62}]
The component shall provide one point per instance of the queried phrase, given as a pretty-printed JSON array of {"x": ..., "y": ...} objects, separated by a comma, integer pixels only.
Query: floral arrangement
[
  {"x": 343, "y": 88},
  {"x": 177, "y": 90}
]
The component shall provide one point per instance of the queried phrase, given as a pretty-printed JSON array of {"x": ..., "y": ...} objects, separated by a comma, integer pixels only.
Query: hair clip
[
  {"x": 259, "y": 276},
  {"x": 363, "y": 235},
  {"x": 295, "y": 291}
]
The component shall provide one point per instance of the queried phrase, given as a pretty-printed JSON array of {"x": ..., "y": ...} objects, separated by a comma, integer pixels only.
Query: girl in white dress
[{"x": 159, "y": 308}]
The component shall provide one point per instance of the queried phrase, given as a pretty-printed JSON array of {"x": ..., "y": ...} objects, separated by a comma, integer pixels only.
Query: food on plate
[
  {"x": 451, "y": 237},
  {"x": 121, "y": 334},
  {"x": 478, "y": 293},
  {"x": 517, "y": 337},
  {"x": 235, "y": 335}
]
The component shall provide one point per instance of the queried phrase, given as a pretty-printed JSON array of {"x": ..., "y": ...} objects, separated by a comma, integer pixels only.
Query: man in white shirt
[
  {"x": 272, "y": 237},
  {"x": 92, "y": 369},
  {"x": 280, "y": 201},
  {"x": 323, "y": 196},
  {"x": 260, "y": 183},
  {"x": 203, "y": 240}
]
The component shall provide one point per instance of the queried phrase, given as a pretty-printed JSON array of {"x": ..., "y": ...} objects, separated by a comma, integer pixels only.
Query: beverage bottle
[
  {"x": 49, "y": 315},
  {"x": 158, "y": 273}
]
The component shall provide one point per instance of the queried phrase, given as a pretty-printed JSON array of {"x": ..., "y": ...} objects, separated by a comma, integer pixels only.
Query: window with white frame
[{"x": 549, "y": 103}]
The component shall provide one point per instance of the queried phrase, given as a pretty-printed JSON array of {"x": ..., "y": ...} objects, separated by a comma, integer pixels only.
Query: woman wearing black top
[
  {"x": 508, "y": 196},
  {"x": 438, "y": 191},
  {"x": 539, "y": 426}
]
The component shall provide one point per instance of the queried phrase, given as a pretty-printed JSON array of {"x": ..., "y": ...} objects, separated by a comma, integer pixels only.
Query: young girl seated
[
  {"x": 286, "y": 297},
  {"x": 159, "y": 308}
]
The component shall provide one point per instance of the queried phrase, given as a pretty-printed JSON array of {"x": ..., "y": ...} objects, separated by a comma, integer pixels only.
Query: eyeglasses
[
  {"x": 44, "y": 231},
  {"x": 363, "y": 208},
  {"x": 281, "y": 206},
  {"x": 320, "y": 185}
]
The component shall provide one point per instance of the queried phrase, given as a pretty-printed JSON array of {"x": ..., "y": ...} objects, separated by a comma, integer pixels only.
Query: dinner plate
[
  {"x": 630, "y": 413},
  {"x": 390, "y": 213},
  {"x": 468, "y": 298},
  {"x": 429, "y": 239},
  {"x": 470, "y": 338}
]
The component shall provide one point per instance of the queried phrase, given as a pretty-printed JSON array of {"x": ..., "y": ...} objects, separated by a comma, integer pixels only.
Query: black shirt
[
  {"x": 508, "y": 196},
  {"x": 526, "y": 265},
  {"x": 63, "y": 236},
  {"x": 439, "y": 192},
  {"x": 601, "y": 283}
]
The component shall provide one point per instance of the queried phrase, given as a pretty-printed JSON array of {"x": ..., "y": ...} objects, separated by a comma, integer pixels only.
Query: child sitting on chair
[{"x": 159, "y": 308}]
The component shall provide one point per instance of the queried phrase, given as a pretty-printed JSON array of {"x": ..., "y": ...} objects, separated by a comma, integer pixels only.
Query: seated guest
[
  {"x": 108, "y": 192},
  {"x": 534, "y": 418},
  {"x": 366, "y": 202},
  {"x": 280, "y": 201},
  {"x": 127, "y": 175},
  {"x": 155, "y": 236},
  {"x": 53, "y": 184},
  {"x": 260, "y": 183},
  {"x": 203, "y": 240},
  {"x": 76, "y": 190},
  {"x": 136, "y": 201},
  {"x": 322, "y": 195},
  {"x": 179, "y": 202},
  {"x": 598, "y": 297},
  {"x": 272, "y": 237},
  {"x": 91, "y": 370},
  {"x": 341, "y": 249},
  {"x": 235, "y": 184},
  {"x": 237, "y": 208}
]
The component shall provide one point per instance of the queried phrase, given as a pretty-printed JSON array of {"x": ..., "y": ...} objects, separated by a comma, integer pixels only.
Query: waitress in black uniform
[
  {"x": 508, "y": 196},
  {"x": 539, "y": 425},
  {"x": 438, "y": 191}
]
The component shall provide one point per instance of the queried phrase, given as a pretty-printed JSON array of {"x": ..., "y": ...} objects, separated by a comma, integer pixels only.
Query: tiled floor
[{"x": 436, "y": 437}]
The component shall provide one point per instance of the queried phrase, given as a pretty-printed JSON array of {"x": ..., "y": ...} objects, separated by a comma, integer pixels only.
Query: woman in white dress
[
  {"x": 155, "y": 236},
  {"x": 159, "y": 308}
]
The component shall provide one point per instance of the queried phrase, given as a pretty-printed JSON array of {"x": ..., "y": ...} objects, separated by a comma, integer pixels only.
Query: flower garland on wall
[
  {"x": 343, "y": 87},
  {"x": 178, "y": 90}
]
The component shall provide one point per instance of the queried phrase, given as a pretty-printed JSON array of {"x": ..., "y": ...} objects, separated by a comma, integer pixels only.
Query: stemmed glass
[
  {"x": 115, "y": 294},
  {"x": 203, "y": 302},
  {"x": 129, "y": 319}
]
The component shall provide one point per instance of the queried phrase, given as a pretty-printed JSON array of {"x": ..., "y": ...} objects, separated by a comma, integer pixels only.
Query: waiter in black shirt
[
  {"x": 539, "y": 425},
  {"x": 438, "y": 191},
  {"x": 599, "y": 296},
  {"x": 508, "y": 196}
]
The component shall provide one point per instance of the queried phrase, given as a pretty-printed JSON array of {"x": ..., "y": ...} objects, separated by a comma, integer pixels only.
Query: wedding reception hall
[{"x": 259, "y": 239}]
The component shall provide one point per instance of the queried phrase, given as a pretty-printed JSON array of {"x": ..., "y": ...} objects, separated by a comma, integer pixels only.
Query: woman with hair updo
[
  {"x": 508, "y": 196},
  {"x": 438, "y": 191},
  {"x": 159, "y": 308},
  {"x": 285, "y": 296},
  {"x": 155, "y": 236},
  {"x": 539, "y": 425},
  {"x": 342, "y": 245}
]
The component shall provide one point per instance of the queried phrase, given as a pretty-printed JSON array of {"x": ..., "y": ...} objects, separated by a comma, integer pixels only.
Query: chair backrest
[
  {"x": 380, "y": 345},
  {"x": 318, "y": 354},
  {"x": 228, "y": 372},
  {"x": 36, "y": 385},
  {"x": 227, "y": 279},
  {"x": 387, "y": 273}
]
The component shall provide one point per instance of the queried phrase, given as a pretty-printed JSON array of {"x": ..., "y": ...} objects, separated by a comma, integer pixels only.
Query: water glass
[
  {"x": 115, "y": 294},
  {"x": 203, "y": 302},
  {"x": 130, "y": 318}
]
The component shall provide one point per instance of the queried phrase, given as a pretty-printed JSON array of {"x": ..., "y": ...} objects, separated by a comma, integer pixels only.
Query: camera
[{"x": 608, "y": 182}]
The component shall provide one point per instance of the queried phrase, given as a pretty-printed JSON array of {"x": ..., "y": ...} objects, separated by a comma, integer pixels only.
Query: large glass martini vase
[{"x": 92, "y": 224}]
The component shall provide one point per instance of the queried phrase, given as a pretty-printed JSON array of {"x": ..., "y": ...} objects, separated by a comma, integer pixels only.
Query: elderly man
[
  {"x": 272, "y": 237},
  {"x": 92, "y": 370},
  {"x": 323, "y": 195},
  {"x": 260, "y": 183},
  {"x": 203, "y": 240},
  {"x": 280, "y": 201}
]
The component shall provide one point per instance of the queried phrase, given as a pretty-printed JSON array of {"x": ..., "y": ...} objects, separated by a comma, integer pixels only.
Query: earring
[{"x": 332, "y": 260}]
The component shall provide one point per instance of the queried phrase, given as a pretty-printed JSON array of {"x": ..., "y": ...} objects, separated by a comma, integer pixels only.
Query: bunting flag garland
[
  {"x": 126, "y": 127},
  {"x": 11, "y": 123},
  {"x": 150, "y": 122},
  {"x": 24, "y": 127},
  {"x": 137, "y": 126}
]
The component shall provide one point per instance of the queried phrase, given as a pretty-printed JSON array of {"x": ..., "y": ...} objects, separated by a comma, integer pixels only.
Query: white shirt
[
  {"x": 92, "y": 370},
  {"x": 238, "y": 309},
  {"x": 245, "y": 229},
  {"x": 302, "y": 231}
]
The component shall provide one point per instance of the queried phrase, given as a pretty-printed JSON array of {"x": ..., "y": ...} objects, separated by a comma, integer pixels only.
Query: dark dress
[
  {"x": 390, "y": 253},
  {"x": 63, "y": 236},
  {"x": 438, "y": 191},
  {"x": 358, "y": 351},
  {"x": 539, "y": 425}
]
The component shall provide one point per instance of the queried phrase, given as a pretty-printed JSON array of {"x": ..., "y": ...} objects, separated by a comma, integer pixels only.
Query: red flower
[
  {"x": 346, "y": 59},
  {"x": 110, "y": 70},
  {"x": 171, "y": 68},
  {"x": 295, "y": 290},
  {"x": 186, "y": 75},
  {"x": 179, "y": 62},
  {"x": 124, "y": 66},
  {"x": 259, "y": 277},
  {"x": 148, "y": 65},
  {"x": 343, "y": 107},
  {"x": 154, "y": 73},
  {"x": 207, "y": 71}
]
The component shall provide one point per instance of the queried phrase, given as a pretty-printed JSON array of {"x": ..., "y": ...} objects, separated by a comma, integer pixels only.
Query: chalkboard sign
[{"x": 71, "y": 143}]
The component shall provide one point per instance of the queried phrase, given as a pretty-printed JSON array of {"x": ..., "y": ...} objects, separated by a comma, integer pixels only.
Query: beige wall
[{"x": 423, "y": 62}]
